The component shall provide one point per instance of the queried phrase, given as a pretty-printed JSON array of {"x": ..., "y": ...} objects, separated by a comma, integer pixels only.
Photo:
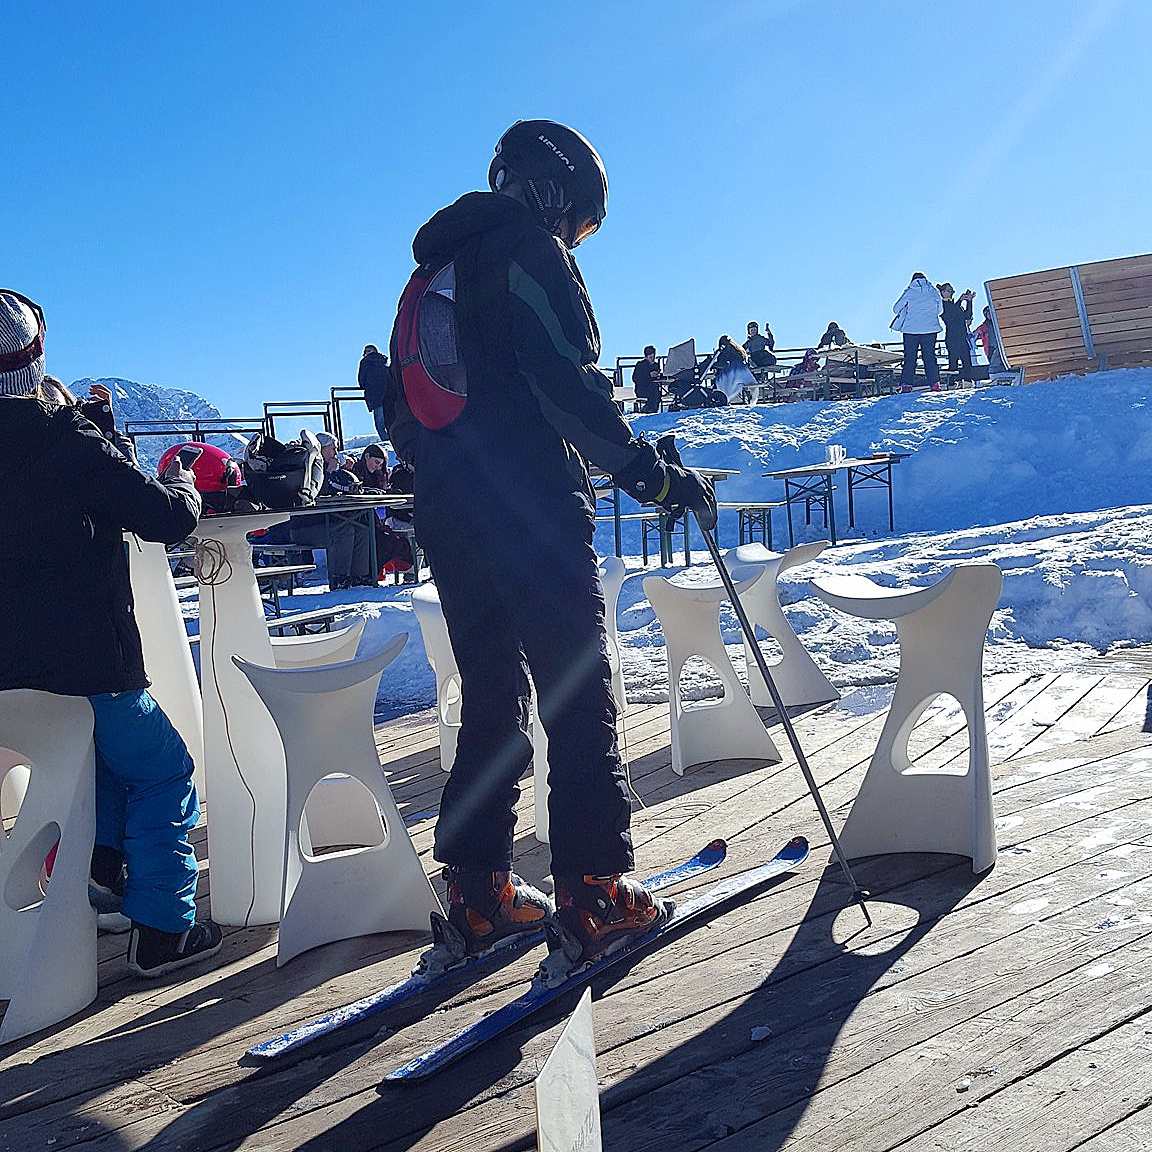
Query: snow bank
[{"x": 979, "y": 456}]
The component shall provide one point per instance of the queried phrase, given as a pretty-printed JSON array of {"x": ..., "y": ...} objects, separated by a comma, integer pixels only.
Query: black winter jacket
[
  {"x": 537, "y": 407},
  {"x": 373, "y": 376},
  {"x": 957, "y": 316},
  {"x": 67, "y": 621}
]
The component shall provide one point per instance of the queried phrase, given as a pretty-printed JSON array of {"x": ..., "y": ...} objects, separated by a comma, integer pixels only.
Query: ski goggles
[
  {"x": 582, "y": 231},
  {"x": 22, "y": 357}
]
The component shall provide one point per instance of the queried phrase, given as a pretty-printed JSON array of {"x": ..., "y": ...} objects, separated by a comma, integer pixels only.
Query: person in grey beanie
[{"x": 67, "y": 496}]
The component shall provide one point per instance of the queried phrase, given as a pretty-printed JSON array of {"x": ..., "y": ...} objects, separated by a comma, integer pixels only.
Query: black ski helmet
[{"x": 562, "y": 173}]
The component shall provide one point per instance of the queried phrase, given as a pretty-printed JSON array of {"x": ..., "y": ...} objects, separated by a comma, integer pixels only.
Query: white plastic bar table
[
  {"x": 167, "y": 657},
  {"x": 243, "y": 756}
]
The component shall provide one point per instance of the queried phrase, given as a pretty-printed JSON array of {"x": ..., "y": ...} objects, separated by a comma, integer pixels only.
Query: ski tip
[
  {"x": 798, "y": 844},
  {"x": 716, "y": 847}
]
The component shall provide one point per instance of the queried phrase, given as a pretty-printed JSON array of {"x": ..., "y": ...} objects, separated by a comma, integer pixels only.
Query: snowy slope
[{"x": 984, "y": 456}]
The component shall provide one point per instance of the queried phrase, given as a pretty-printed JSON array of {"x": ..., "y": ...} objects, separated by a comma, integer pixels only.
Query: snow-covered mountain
[{"x": 133, "y": 401}]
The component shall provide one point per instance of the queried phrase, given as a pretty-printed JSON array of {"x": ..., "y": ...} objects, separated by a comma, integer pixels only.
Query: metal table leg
[
  {"x": 830, "y": 487},
  {"x": 616, "y": 520},
  {"x": 891, "y": 514}
]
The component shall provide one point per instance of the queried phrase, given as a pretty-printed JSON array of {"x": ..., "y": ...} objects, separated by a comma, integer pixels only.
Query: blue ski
[
  {"x": 794, "y": 853},
  {"x": 709, "y": 857}
]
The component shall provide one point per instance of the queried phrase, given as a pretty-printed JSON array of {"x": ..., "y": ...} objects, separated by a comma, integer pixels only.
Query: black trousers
[
  {"x": 925, "y": 344},
  {"x": 960, "y": 358},
  {"x": 512, "y": 605}
]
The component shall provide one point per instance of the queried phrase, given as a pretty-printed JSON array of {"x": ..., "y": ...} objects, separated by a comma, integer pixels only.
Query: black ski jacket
[
  {"x": 957, "y": 317},
  {"x": 67, "y": 621},
  {"x": 537, "y": 407},
  {"x": 373, "y": 378}
]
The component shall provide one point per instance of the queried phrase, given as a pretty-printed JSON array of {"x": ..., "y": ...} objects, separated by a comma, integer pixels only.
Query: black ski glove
[{"x": 686, "y": 491}]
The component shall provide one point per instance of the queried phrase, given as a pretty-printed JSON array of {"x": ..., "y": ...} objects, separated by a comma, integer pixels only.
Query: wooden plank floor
[{"x": 1014, "y": 1008}]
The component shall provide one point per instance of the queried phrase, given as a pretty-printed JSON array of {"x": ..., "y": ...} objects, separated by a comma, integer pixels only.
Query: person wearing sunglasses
[
  {"x": 67, "y": 496},
  {"x": 498, "y": 401}
]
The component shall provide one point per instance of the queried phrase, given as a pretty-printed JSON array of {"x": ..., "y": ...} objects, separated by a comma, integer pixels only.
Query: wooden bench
[
  {"x": 649, "y": 522},
  {"x": 300, "y": 622}
]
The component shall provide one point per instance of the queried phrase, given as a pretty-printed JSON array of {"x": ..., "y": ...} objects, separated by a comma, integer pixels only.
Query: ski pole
[{"x": 858, "y": 893}]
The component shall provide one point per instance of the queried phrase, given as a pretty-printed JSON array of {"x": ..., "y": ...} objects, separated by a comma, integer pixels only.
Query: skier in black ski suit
[{"x": 505, "y": 510}]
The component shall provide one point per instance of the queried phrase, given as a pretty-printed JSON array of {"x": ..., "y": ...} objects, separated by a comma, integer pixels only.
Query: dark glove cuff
[{"x": 645, "y": 479}]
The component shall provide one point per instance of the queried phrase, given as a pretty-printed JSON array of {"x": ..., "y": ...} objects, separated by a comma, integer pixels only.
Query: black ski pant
[
  {"x": 925, "y": 344},
  {"x": 960, "y": 357},
  {"x": 514, "y": 605},
  {"x": 345, "y": 540}
]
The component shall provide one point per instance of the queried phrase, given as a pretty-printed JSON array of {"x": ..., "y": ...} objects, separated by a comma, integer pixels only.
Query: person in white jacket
[{"x": 918, "y": 318}]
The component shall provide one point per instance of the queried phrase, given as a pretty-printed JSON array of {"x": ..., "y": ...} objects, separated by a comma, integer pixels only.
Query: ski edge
[{"x": 711, "y": 856}]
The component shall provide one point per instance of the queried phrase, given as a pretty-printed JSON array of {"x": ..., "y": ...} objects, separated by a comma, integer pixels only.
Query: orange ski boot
[
  {"x": 485, "y": 910},
  {"x": 598, "y": 912}
]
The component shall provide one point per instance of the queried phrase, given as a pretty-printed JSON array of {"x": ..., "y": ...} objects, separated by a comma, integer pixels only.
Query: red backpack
[{"x": 426, "y": 349}]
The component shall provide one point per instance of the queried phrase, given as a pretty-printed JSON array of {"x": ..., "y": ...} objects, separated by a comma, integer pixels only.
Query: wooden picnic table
[
  {"x": 603, "y": 482},
  {"x": 815, "y": 482}
]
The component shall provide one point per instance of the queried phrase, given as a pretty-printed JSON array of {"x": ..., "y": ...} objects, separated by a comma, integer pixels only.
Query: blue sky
[{"x": 222, "y": 196}]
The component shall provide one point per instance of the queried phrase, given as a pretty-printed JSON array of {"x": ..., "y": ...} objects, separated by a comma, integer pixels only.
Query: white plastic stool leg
[
  {"x": 797, "y": 675},
  {"x": 438, "y": 649},
  {"x": 612, "y": 576},
  {"x": 324, "y": 716},
  {"x": 942, "y": 630},
  {"x": 167, "y": 657},
  {"x": 730, "y": 729},
  {"x": 324, "y": 648},
  {"x": 47, "y": 938}
]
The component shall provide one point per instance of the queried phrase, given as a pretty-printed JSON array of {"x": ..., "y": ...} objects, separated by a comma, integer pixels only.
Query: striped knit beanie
[{"x": 21, "y": 345}]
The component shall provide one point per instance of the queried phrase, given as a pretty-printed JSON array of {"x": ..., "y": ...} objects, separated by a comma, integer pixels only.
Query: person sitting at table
[
  {"x": 809, "y": 363},
  {"x": 759, "y": 347},
  {"x": 69, "y": 627},
  {"x": 344, "y": 536},
  {"x": 646, "y": 381},
  {"x": 371, "y": 468},
  {"x": 834, "y": 337}
]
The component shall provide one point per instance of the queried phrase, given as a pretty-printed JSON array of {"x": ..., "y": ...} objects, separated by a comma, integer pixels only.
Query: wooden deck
[{"x": 1013, "y": 1010}]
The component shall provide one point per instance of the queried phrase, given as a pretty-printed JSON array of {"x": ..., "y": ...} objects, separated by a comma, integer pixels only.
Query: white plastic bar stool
[
  {"x": 613, "y": 573},
  {"x": 47, "y": 933},
  {"x": 942, "y": 630},
  {"x": 324, "y": 717},
  {"x": 797, "y": 675},
  {"x": 167, "y": 656},
  {"x": 323, "y": 648},
  {"x": 703, "y": 732},
  {"x": 438, "y": 648}
]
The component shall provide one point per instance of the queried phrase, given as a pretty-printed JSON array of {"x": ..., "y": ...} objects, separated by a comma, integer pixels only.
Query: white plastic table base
[
  {"x": 942, "y": 629},
  {"x": 47, "y": 934},
  {"x": 243, "y": 756},
  {"x": 705, "y": 732},
  {"x": 167, "y": 657},
  {"x": 324, "y": 716}
]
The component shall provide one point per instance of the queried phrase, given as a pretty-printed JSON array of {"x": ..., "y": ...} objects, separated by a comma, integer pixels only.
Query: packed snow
[{"x": 1050, "y": 481}]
